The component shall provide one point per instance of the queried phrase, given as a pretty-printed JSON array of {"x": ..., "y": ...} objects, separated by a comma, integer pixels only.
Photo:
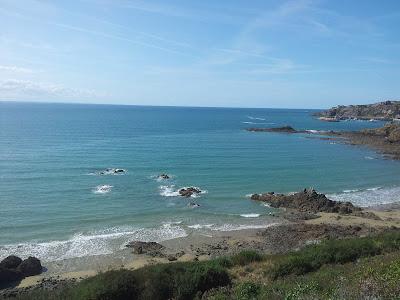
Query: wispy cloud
[
  {"x": 16, "y": 69},
  {"x": 28, "y": 88}
]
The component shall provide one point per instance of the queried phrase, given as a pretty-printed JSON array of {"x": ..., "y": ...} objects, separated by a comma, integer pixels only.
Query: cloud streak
[{"x": 16, "y": 87}]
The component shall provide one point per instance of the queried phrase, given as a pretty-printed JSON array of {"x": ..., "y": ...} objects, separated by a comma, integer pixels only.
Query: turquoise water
[{"x": 50, "y": 155}]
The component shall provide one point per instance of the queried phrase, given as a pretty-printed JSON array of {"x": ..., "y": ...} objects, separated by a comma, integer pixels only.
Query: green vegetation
[
  {"x": 311, "y": 258},
  {"x": 356, "y": 268}
]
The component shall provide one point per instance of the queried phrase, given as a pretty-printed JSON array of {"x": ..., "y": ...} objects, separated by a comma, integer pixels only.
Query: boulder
[
  {"x": 30, "y": 266},
  {"x": 163, "y": 176},
  {"x": 9, "y": 275},
  {"x": 10, "y": 262}
]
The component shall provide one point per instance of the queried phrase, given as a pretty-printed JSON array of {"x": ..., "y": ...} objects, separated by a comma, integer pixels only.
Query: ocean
[{"x": 55, "y": 203}]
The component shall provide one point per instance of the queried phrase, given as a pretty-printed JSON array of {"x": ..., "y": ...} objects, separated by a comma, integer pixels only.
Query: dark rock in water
[
  {"x": 11, "y": 262},
  {"x": 119, "y": 171},
  {"x": 164, "y": 176},
  {"x": 188, "y": 192},
  {"x": 284, "y": 129},
  {"x": 306, "y": 201},
  {"x": 9, "y": 275},
  {"x": 150, "y": 248},
  {"x": 193, "y": 205},
  {"x": 30, "y": 266}
]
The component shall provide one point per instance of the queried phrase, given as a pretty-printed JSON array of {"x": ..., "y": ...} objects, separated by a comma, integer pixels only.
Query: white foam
[
  {"x": 90, "y": 244},
  {"x": 255, "y": 118},
  {"x": 110, "y": 171},
  {"x": 168, "y": 191},
  {"x": 171, "y": 191},
  {"x": 369, "y": 197},
  {"x": 316, "y": 131},
  {"x": 250, "y": 215},
  {"x": 200, "y": 226},
  {"x": 102, "y": 189},
  {"x": 369, "y": 157},
  {"x": 233, "y": 227},
  {"x": 258, "y": 123}
]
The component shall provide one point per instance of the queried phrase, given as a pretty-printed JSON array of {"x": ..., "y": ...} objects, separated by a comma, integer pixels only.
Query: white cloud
[
  {"x": 27, "y": 88},
  {"x": 16, "y": 69}
]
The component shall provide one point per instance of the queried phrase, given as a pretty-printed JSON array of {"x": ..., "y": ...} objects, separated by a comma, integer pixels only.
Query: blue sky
[{"x": 294, "y": 54}]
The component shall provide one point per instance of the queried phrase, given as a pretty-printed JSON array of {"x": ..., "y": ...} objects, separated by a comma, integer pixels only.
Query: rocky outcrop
[
  {"x": 163, "y": 176},
  {"x": 306, "y": 201},
  {"x": 13, "y": 268},
  {"x": 284, "y": 129},
  {"x": 391, "y": 132},
  {"x": 387, "y": 110},
  {"x": 189, "y": 192},
  {"x": 150, "y": 248}
]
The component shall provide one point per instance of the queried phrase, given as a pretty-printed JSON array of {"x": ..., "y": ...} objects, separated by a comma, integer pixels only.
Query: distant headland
[{"x": 384, "y": 111}]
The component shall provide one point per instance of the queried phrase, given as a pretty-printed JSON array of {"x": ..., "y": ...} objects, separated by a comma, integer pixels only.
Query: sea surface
[{"x": 55, "y": 204}]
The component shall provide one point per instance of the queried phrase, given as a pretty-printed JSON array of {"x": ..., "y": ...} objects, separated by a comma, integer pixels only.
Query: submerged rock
[
  {"x": 112, "y": 171},
  {"x": 188, "y": 192},
  {"x": 283, "y": 129},
  {"x": 164, "y": 176}
]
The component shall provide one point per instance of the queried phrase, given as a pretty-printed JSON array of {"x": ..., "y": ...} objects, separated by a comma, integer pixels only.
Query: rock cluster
[
  {"x": 283, "y": 129},
  {"x": 188, "y": 192},
  {"x": 163, "y": 176},
  {"x": 307, "y": 200},
  {"x": 13, "y": 268},
  {"x": 387, "y": 110},
  {"x": 150, "y": 248}
]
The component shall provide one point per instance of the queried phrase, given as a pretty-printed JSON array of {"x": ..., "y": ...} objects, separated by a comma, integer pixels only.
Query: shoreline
[{"x": 282, "y": 237}]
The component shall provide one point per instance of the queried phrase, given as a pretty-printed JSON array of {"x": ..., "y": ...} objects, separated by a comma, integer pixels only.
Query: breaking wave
[
  {"x": 369, "y": 196},
  {"x": 95, "y": 243}
]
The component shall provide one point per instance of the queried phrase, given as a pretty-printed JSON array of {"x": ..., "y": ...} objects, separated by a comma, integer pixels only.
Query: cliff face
[{"x": 387, "y": 110}]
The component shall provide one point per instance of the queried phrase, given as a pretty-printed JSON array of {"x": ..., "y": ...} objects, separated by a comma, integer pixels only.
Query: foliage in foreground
[{"x": 311, "y": 258}]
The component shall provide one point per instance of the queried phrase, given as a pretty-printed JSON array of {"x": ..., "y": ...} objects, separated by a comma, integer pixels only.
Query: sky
[{"x": 229, "y": 53}]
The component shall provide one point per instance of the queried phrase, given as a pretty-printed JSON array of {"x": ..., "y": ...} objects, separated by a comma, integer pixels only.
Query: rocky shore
[
  {"x": 386, "y": 111},
  {"x": 385, "y": 140}
]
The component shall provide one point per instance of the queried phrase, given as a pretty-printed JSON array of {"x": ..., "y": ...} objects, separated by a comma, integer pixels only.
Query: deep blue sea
[{"x": 54, "y": 204}]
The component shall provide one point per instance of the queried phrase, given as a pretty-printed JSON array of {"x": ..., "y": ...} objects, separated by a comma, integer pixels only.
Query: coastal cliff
[{"x": 387, "y": 110}]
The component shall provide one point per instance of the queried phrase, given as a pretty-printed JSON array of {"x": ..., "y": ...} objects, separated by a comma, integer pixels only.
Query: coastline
[{"x": 282, "y": 237}]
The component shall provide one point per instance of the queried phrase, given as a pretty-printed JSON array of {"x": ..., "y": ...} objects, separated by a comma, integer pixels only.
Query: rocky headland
[
  {"x": 387, "y": 111},
  {"x": 385, "y": 140}
]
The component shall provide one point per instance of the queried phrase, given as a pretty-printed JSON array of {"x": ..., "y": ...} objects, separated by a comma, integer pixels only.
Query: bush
[
  {"x": 119, "y": 284},
  {"x": 245, "y": 257},
  {"x": 313, "y": 257}
]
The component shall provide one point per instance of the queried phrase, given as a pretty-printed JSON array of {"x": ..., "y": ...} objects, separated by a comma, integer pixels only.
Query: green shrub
[
  {"x": 245, "y": 257},
  {"x": 313, "y": 257},
  {"x": 119, "y": 284},
  {"x": 247, "y": 291}
]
